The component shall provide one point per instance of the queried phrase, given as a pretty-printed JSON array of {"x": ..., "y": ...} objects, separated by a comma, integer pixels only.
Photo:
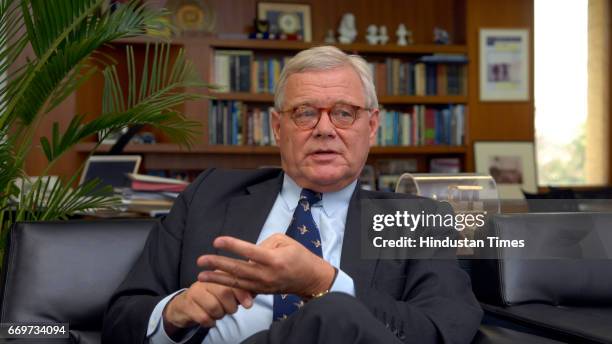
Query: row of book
[
  {"x": 234, "y": 123},
  {"x": 232, "y": 70},
  {"x": 422, "y": 125},
  {"x": 239, "y": 71},
  {"x": 395, "y": 77},
  {"x": 432, "y": 75}
]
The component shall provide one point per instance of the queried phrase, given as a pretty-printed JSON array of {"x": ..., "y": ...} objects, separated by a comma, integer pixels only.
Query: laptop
[{"x": 111, "y": 170}]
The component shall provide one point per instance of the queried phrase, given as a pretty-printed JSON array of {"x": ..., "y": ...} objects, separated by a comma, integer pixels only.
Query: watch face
[{"x": 289, "y": 23}]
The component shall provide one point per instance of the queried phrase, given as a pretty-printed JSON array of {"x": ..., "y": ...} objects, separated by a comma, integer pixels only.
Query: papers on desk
[
  {"x": 142, "y": 182},
  {"x": 151, "y": 195}
]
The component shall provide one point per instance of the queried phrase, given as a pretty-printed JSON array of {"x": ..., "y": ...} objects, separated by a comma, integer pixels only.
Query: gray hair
[{"x": 325, "y": 58}]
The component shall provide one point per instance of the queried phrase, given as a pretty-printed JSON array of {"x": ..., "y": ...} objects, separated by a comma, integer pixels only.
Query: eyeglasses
[{"x": 341, "y": 115}]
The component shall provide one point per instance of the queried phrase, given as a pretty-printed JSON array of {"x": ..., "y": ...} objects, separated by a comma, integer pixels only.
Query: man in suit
[{"x": 273, "y": 256}]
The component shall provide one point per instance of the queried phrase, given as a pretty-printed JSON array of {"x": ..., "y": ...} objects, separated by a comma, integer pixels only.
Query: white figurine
[
  {"x": 330, "y": 37},
  {"x": 383, "y": 38},
  {"x": 347, "y": 29},
  {"x": 372, "y": 36},
  {"x": 401, "y": 33}
]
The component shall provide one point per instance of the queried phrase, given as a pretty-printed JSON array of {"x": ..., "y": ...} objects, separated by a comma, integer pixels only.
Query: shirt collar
[{"x": 332, "y": 201}]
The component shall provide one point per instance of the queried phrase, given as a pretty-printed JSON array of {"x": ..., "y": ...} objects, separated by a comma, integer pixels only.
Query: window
[{"x": 561, "y": 86}]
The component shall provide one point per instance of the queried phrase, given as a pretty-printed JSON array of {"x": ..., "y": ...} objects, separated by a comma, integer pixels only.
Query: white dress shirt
[{"x": 330, "y": 217}]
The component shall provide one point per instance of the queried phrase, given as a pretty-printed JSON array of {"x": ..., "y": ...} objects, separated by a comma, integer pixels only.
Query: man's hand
[
  {"x": 280, "y": 265},
  {"x": 202, "y": 304}
]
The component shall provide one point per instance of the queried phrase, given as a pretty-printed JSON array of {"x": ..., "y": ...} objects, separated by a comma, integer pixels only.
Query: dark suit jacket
[{"x": 424, "y": 301}]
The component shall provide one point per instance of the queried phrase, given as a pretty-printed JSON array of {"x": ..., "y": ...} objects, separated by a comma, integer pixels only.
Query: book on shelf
[
  {"x": 431, "y": 75},
  {"x": 235, "y": 123},
  {"x": 232, "y": 70},
  {"x": 265, "y": 72},
  {"x": 428, "y": 76},
  {"x": 422, "y": 125}
]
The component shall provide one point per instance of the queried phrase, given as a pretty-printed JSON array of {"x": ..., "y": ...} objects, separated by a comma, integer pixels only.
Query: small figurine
[
  {"x": 372, "y": 36},
  {"x": 401, "y": 33},
  {"x": 441, "y": 36},
  {"x": 404, "y": 36},
  {"x": 330, "y": 37},
  {"x": 347, "y": 29},
  {"x": 383, "y": 37},
  {"x": 262, "y": 29}
]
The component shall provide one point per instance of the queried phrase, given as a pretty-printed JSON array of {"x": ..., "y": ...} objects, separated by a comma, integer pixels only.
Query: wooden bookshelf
[
  {"x": 462, "y": 19},
  {"x": 269, "y": 98},
  {"x": 259, "y": 44},
  {"x": 169, "y": 148},
  {"x": 373, "y": 53}
]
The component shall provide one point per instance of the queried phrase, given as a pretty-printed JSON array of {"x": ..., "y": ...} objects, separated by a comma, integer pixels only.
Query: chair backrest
[
  {"x": 561, "y": 263},
  {"x": 66, "y": 272}
]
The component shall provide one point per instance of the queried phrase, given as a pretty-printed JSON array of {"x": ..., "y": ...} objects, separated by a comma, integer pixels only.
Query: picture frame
[
  {"x": 504, "y": 65},
  {"x": 510, "y": 163},
  {"x": 291, "y": 16}
]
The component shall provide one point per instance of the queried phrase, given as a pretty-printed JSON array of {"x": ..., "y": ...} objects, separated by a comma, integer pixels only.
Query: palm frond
[
  {"x": 161, "y": 91},
  {"x": 65, "y": 37},
  {"x": 10, "y": 166},
  {"x": 62, "y": 35},
  {"x": 49, "y": 199}
]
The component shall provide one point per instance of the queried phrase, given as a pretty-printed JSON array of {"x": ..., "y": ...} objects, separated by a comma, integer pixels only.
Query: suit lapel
[
  {"x": 361, "y": 270},
  {"x": 245, "y": 215}
]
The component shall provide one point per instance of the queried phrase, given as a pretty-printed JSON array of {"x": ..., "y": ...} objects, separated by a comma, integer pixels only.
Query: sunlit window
[{"x": 561, "y": 86}]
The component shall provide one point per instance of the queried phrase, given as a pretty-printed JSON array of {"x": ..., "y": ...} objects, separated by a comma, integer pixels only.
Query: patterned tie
[{"x": 304, "y": 230}]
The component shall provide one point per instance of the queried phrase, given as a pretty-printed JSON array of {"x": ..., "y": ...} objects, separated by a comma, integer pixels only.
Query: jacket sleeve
[
  {"x": 154, "y": 275},
  {"x": 431, "y": 301}
]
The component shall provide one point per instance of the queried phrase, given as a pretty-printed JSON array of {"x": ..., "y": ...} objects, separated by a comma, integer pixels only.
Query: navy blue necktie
[{"x": 304, "y": 230}]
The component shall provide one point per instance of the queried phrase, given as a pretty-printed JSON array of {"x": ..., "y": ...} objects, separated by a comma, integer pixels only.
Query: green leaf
[
  {"x": 63, "y": 34},
  {"x": 161, "y": 94},
  {"x": 65, "y": 37},
  {"x": 44, "y": 142}
]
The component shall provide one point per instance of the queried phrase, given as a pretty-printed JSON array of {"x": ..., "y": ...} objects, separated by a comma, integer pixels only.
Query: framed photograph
[
  {"x": 504, "y": 65},
  {"x": 510, "y": 163},
  {"x": 292, "y": 20}
]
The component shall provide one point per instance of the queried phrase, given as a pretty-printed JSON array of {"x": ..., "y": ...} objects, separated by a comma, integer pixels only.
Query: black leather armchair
[
  {"x": 566, "y": 292},
  {"x": 65, "y": 272}
]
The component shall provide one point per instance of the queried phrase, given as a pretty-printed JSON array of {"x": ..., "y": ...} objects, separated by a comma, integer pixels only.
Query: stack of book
[{"x": 151, "y": 195}]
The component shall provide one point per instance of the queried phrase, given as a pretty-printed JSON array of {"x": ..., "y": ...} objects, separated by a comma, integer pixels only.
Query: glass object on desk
[{"x": 467, "y": 193}]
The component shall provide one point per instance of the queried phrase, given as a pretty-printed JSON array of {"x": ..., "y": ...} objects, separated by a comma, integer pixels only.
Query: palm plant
[{"x": 65, "y": 37}]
